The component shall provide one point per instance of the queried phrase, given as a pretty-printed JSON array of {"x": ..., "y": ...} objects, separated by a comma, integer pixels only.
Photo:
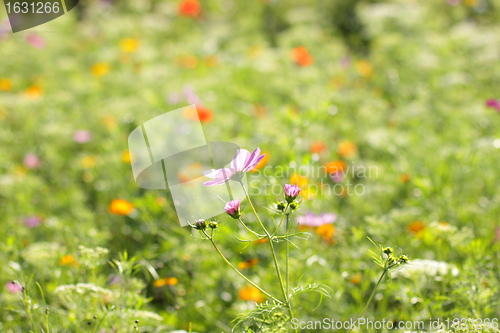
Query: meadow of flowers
[{"x": 374, "y": 191}]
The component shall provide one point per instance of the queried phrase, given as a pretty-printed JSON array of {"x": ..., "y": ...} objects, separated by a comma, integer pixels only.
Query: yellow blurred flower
[
  {"x": 250, "y": 293},
  {"x": 127, "y": 157},
  {"x": 34, "y": 92},
  {"x": 120, "y": 207},
  {"x": 326, "y": 231},
  {"x": 100, "y": 69},
  {"x": 356, "y": 278},
  {"x": 364, "y": 68},
  {"x": 170, "y": 281},
  {"x": 416, "y": 227},
  {"x": 88, "y": 162},
  {"x": 471, "y": 3},
  {"x": 67, "y": 260},
  {"x": 109, "y": 122},
  {"x": 347, "y": 149},
  {"x": 129, "y": 45},
  {"x": 298, "y": 180},
  {"x": 5, "y": 84}
]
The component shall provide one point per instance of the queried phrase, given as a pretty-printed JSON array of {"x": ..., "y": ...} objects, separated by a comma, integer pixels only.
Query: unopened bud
[
  {"x": 212, "y": 224},
  {"x": 200, "y": 225}
]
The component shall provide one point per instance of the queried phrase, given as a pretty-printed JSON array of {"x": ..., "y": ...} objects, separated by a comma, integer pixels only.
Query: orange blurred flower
[
  {"x": 250, "y": 293},
  {"x": 471, "y": 3},
  {"x": 129, "y": 45},
  {"x": 34, "y": 92},
  {"x": 364, "y": 68},
  {"x": 356, "y": 278},
  {"x": 317, "y": 147},
  {"x": 188, "y": 61},
  {"x": 260, "y": 241},
  {"x": 301, "y": 56},
  {"x": 100, "y": 69},
  {"x": 326, "y": 231},
  {"x": 347, "y": 149},
  {"x": 248, "y": 264},
  {"x": 415, "y": 227},
  {"x": 170, "y": 281},
  {"x": 191, "y": 172},
  {"x": 189, "y": 8},
  {"x": 205, "y": 115},
  {"x": 120, "y": 207},
  {"x": 262, "y": 162},
  {"x": 5, "y": 84},
  {"x": 404, "y": 178},
  {"x": 67, "y": 260}
]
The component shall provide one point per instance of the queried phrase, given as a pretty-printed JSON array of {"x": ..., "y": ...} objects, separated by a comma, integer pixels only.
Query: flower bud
[
  {"x": 233, "y": 208},
  {"x": 200, "y": 225},
  {"x": 294, "y": 206},
  {"x": 281, "y": 206},
  {"x": 387, "y": 250},
  {"x": 212, "y": 224},
  {"x": 403, "y": 259},
  {"x": 291, "y": 192}
]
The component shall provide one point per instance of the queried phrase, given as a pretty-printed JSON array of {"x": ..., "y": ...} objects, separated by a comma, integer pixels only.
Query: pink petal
[{"x": 240, "y": 159}]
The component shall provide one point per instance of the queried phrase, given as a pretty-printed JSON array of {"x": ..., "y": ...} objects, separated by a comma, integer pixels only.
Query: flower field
[{"x": 367, "y": 175}]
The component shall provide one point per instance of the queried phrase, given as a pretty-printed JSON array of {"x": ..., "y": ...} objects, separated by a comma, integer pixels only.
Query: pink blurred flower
[
  {"x": 31, "y": 161},
  {"x": 313, "y": 220},
  {"x": 38, "y": 42},
  {"x": 190, "y": 95},
  {"x": 493, "y": 103},
  {"x": 453, "y": 2},
  {"x": 242, "y": 162},
  {"x": 82, "y": 136},
  {"x": 14, "y": 287},
  {"x": 291, "y": 192},
  {"x": 345, "y": 62},
  {"x": 337, "y": 177},
  {"x": 233, "y": 208},
  {"x": 32, "y": 221}
]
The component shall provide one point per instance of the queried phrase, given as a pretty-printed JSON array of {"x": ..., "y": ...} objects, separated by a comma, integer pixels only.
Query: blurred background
[{"x": 406, "y": 87}]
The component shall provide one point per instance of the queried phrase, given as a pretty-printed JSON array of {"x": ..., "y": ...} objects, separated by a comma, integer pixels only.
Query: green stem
[
  {"x": 237, "y": 271},
  {"x": 287, "y": 273},
  {"x": 282, "y": 216},
  {"x": 250, "y": 230},
  {"x": 371, "y": 296}
]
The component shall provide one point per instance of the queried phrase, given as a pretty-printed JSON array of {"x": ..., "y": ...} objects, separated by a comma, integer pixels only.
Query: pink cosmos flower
[
  {"x": 14, "y": 287},
  {"x": 82, "y": 136},
  {"x": 32, "y": 221},
  {"x": 242, "y": 162},
  {"x": 337, "y": 177},
  {"x": 291, "y": 192},
  {"x": 31, "y": 161},
  {"x": 493, "y": 103},
  {"x": 233, "y": 208},
  {"x": 313, "y": 220},
  {"x": 38, "y": 42}
]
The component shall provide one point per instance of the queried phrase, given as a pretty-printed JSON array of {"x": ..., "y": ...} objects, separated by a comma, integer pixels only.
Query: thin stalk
[
  {"x": 287, "y": 273},
  {"x": 237, "y": 271},
  {"x": 371, "y": 296},
  {"x": 282, "y": 216},
  {"x": 250, "y": 230}
]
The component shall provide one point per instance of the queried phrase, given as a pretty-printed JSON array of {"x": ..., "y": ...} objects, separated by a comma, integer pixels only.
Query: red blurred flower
[
  {"x": 189, "y": 8},
  {"x": 302, "y": 57}
]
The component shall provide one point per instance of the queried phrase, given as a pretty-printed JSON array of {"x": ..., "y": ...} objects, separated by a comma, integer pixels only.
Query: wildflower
[
  {"x": 100, "y": 69},
  {"x": 5, "y": 84},
  {"x": 364, "y": 68},
  {"x": 127, "y": 157},
  {"x": 313, "y": 220},
  {"x": 387, "y": 250},
  {"x": 248, "y": 264},
  {"x": 14, "y": 287},
  {"x": 34, "y": 92},
  {"x": 471, "y": 3},
  {"x": 404, "y": 178},
  {"x": 82, "y": 136},
  {"x": 67, "y": 260},
  {"x": 205, "y": 114},
  {"x": 493, "y": 103},
  {"x": 403, "y": 259},
  {"x": 291, "y": 192},
  {"x": 38, "y": 42},
  {"x": 317, "y": 147},
  {"x": 169, "y": 281},
  {"x": 326, "y": 231},
  {"x": 191, "y": 96},
  {"x": 301, "y": 56},
  {"x": 200, "y": 224},
  {"x": 188, "y": 61},
  {"x": 250, "y": 293},
  {"x": 415, "y": 227},
  {"x": 262, "y": 162},
  {"x": 294, "y": 206},
  {"x": 31, "y": 161},
  {"x": 242, "y": 162},
  {"x": 261, "y": 241},
  {"x": 109, "y": 122},
  {"x": 335, "y": 167},
  {"x": 356, "y": 278},
  {"x": 189, "y": 8},
  {"x": 32, "y": 221},
  {"x": 129, "y": 45},
  {"x": 120, "y": 207},
  {"x": 233, "y": 208},
  {"x": 347, "y": 149},
  {"x": 281, "y": 205}
]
